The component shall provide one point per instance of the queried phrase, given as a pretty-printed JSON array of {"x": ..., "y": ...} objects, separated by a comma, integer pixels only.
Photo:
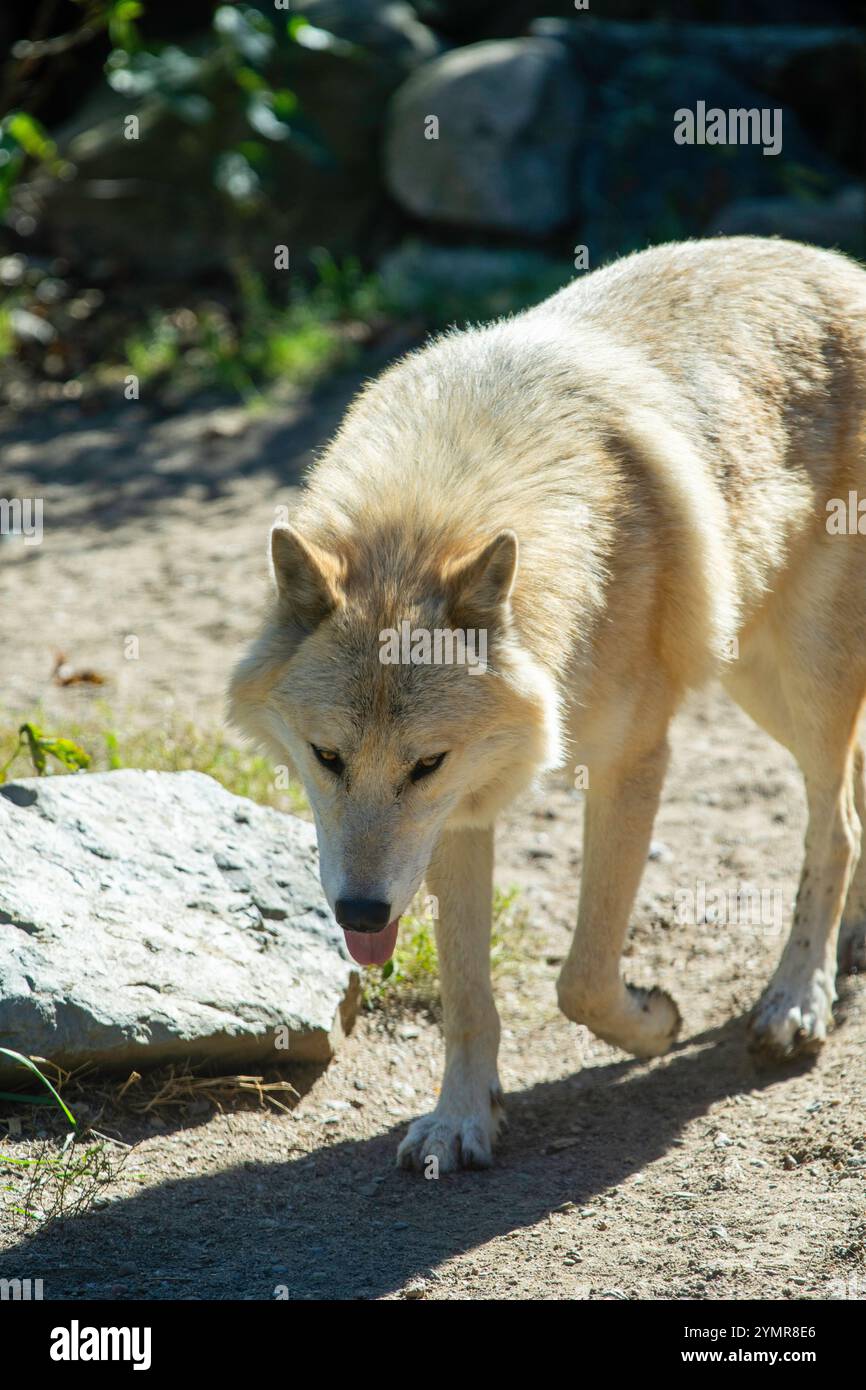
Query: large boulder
[
  {"x": 152, "y": 917},
  {"x": 486, "y": 136}
]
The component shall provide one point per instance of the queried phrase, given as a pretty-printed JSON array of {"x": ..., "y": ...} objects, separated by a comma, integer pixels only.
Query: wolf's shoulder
[{"x": 696, "y": 274}]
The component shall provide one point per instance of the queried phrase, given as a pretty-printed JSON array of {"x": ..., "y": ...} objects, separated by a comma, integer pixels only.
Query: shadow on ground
[
  {"x": 344, "y": 1223},
  {"x": 132, "y": 458}
]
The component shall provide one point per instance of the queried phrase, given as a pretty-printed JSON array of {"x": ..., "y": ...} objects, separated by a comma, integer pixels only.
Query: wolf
[{"x": 626, "y": 488}]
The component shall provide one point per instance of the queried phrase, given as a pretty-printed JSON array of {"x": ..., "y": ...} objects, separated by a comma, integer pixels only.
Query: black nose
[{"x": 362, "y": 914}]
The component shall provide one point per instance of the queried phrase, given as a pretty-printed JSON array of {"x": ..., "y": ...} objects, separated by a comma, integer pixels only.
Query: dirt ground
[{"x": 696, "y": 1176}]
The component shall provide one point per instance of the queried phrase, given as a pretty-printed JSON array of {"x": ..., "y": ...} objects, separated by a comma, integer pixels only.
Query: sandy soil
[{"x": 694, "y": 1176}]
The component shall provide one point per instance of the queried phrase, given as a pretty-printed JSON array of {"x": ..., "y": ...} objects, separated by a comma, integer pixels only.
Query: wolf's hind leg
[
  {"x": 852, "y": 933},
  {"x": 795, "y": 1012},
  {"x": 460, "y": 1132},
  {"x": 620, "y": 810}
]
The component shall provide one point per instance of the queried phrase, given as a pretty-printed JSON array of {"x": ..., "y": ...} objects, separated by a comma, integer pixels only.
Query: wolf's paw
[
  {"x": 644, "y": 1022},
  {"x": 852, "y": 948},
  {"x": 649, "y": 1026},
  {"x": 793, "y": 1020},
  {"x": 443, "y": 1141}
]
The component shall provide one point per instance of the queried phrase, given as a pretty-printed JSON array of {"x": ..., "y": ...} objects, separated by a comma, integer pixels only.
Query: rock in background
[
  {"x": 150, "y": 917},
  {"x": 502, "y": 151},
  {"x": 553, "y": 131}
]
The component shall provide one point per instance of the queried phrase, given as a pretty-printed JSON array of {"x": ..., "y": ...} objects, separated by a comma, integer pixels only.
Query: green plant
[
  {"x": 7, "y": 334},
  {"x": 411, "y": 978},
  {"x": 42, "y": 746},
  {"x": 263, "y": 340},
  {"x": 177, "y": 746},
  {"x": 153, "y": 350},
  {"x": 52, "y": 1097},
  {"x": 244, "y": 46},
  {"x": 51, "y": 1185},
  {"x": 23, "y": 138}
]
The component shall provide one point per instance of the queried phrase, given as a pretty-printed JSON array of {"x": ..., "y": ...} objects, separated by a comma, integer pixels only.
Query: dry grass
[
  {"x": 48, "y": 1177},
  {"x": 177, "y": 1087}
]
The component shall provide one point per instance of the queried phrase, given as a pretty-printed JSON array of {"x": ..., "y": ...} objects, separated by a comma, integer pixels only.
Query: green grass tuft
[
  {"x": 317, "y": 330},
  {"x": 176, "y": 747},
  {"x": 411, "y": 978}
]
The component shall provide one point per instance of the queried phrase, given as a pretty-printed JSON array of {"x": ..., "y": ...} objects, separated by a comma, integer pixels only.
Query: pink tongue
[{"x": 372, "y": 947}]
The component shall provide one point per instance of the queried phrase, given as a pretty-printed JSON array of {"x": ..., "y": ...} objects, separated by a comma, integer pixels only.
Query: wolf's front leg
[
  {"x": 620, "y": 809},
  {"x": 461, "y": 1130}
]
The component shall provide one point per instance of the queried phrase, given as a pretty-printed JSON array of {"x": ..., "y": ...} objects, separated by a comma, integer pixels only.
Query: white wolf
[{"x": 626, "y": 488}]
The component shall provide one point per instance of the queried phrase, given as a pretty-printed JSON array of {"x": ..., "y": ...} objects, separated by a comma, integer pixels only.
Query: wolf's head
[{"x": 390, "y": 677}]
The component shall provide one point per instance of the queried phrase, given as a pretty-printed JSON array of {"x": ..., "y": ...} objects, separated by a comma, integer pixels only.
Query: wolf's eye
[
  {"x": 329, "y": 759},
  {"x": 425, "y": 766}
]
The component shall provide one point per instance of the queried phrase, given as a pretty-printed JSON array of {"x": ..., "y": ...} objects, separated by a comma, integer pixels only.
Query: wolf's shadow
[{"x": 345, "y": 1223}]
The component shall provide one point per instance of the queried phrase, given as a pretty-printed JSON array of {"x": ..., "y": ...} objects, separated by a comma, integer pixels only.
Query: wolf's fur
[{"x": 662, "y": 438}]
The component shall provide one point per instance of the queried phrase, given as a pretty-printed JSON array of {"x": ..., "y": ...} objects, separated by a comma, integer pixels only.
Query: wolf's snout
[{"x": 362, "y": 914}]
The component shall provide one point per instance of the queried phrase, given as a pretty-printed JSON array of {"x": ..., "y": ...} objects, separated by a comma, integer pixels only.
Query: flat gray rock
[{"x": 152, "y": 916}]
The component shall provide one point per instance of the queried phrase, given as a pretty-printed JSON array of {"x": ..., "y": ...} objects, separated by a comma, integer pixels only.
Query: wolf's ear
[
  {"x": 483, "y": 583},
  {"x": 306, "y": 578}
]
